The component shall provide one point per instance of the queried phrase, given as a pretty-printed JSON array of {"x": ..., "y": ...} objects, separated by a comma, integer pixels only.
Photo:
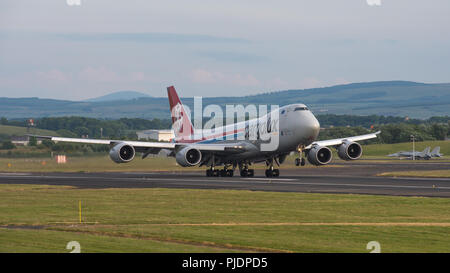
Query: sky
[{"x": 59, "y": 49}]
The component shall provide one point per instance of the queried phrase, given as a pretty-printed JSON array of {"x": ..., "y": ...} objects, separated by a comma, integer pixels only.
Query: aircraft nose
[{"x": 313, "y": 126}]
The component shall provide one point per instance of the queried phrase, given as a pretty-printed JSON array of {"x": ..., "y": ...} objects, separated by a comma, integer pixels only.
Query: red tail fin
[{"x": 181, "y": 123}]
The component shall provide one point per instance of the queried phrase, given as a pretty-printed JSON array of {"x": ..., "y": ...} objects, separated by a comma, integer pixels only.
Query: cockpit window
[{"x": 301, "y": 108}]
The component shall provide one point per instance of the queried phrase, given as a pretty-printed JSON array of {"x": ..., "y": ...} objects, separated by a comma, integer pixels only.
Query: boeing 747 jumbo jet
[{"x": 293, "y": 127}]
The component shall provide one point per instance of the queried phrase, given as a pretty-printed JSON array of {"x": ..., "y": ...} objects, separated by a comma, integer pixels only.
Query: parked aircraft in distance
[
  {"x": 436, "y": 152},
  {"x": 296, "y": 129},
  {"x": 425, "y": 154}
]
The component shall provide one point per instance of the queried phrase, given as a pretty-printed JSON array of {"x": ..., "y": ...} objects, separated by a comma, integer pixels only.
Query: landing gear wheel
[
  {"x": 300, "y": 161},
  {"x": 275, "y": 172},
  {"x": 248, "y": 173},
  {"x": 272, "y": 173},
  {"x": 230, "y": 173},
  {"x": 208, "y": 173}
]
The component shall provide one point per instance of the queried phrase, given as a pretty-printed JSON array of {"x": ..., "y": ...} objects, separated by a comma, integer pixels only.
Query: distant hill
[
  {"x": 120, "y": 95},
  {"x": 388, "y": 98}
]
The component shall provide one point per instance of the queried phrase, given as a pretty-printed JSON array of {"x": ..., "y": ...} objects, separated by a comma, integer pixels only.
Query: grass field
[
  {"x": 101, "y": 163},
  {"x": 105, "y": 164},
  {"x": 20, "y": 131},
  {"x": 385, "y": 149},
  {"x": 180, "y": 220}
]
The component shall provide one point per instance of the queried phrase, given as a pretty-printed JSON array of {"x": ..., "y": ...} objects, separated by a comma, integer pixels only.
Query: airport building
[
  {"x": 22, "y": 140},
  {"x": 159, "y": 135}
]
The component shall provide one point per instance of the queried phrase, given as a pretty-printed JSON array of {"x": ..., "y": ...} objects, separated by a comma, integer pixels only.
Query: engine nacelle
[
  {"x": 319, "y": 155},
  {"x": 187, "y": 157},
  {"x": 122, "y": 153},
  {"x": 349, "y": 151}
]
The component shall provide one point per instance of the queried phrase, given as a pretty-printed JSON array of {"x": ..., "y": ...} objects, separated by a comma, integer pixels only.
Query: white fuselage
[{"x": 294, "y": 125}]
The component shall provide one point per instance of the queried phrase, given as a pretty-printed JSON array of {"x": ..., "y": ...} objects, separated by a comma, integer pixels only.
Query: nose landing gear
[{"x": 300, "y": 160}]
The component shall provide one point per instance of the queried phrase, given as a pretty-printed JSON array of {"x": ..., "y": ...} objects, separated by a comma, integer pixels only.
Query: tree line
[
  {"x": 392, "y": 133},
  {"x": 93, "y": 128},
  {"x": 394, "y": 129}
]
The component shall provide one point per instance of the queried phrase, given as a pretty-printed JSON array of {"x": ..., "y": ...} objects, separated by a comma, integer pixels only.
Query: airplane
[
  {"x": 297, "y": 131},
  {"x": 436, "y": 152},
  {"x": 425, "y": 154}
]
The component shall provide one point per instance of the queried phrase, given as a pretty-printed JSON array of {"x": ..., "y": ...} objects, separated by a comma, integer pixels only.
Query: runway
[{"x": 338, "y": 178}]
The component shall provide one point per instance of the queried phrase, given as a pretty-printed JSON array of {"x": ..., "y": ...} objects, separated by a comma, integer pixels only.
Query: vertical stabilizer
[
  {"x": 436, "y": 151},
  {"x": 426, "y": 151},
  {"x": 181, "y": 123}
]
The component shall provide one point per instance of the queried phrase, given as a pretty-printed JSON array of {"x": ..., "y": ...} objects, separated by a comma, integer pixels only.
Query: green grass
[
  {"x": 105, "y": 164},
  {"x": 50, "y": 241},
  {"x": 20, "y": 131},
  {"x": 385, "y": 149},
  {"x": 89, "y": 164},
  {"x": 168, "y": 220},
  {"x": 102, "y": 163}
]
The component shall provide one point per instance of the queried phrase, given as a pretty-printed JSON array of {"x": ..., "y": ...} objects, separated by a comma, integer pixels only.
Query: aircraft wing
[
  {"x": 146, "y": 146},
  {"x": 339, "y": 141}
]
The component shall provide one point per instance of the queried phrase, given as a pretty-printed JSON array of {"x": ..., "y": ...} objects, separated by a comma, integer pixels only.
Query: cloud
[
  {"x": 53, "y": 76},
  {"x": 373, "y": 2},
  {"x": 104, "y": 75},
  {"x": 228, "y": 56},
  {"x": 310, "y": 82},
  {"x": 214, "y": 77},
  {"x": 146, "y": 37},
  {"x": 138, "y": 76},
  {"x": 99, "y": 74}
]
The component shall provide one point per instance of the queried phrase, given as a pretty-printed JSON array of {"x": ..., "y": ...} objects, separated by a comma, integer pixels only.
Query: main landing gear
[
  {"x": 228, "y": 170},
  {"x": 245, "y": 171},
  {"x": 271, "y": 171},
  {"x": 224, "y": 172}
]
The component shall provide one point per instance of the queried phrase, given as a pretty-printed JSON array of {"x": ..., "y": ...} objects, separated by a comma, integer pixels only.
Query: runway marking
[
  {"x": 240, "y": 181},
  {"x": 301, "y": 183},
  {"x": 269, "y": 179},
  {"x": 405, "y": 224},
  {"x": 14, "y": 174}
]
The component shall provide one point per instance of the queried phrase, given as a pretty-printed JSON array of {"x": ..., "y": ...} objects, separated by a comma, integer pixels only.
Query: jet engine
[
  {"x": 122, "y": 153},
  {"x": 187, "y": 157},
  {"x": 349, "y": 151},
  {"x": 319, "y": 155}
]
